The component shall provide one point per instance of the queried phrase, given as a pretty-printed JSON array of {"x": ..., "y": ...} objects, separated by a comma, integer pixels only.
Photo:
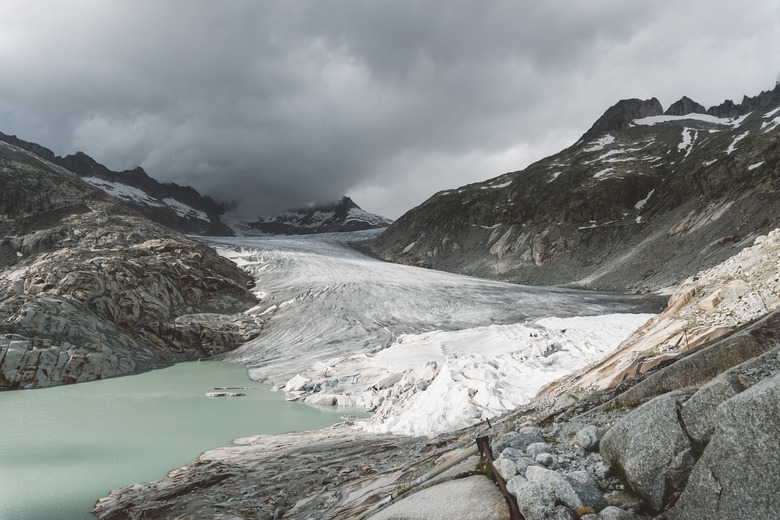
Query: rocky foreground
[
  {"x": 90, "y": 289},
  {"x": 690, "y": 432}
]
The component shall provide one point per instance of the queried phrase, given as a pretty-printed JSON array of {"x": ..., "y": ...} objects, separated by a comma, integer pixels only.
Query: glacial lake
[{"x": 63, "y": 448}]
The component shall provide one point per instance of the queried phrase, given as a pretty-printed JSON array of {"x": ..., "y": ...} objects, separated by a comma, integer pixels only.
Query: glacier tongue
[{"x": 428, "y": 351}]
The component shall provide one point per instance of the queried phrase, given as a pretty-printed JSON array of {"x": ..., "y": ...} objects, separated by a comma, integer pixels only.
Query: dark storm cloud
[{"x": 277, "y": 104}]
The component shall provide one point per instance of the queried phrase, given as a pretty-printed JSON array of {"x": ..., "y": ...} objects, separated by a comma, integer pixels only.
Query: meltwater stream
[{"x": 63, "y": 448}]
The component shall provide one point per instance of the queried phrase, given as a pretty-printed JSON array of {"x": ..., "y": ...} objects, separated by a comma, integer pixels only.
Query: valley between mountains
[{"x": 658, "y": 399}]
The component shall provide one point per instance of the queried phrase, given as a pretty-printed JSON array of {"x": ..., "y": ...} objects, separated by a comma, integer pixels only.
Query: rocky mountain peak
[
  {"x": 620, "y": 115},
  {"x": 342, "y": 215},
  {"x": 728, "y": 109},
  {"x": 685, "y": 106}
]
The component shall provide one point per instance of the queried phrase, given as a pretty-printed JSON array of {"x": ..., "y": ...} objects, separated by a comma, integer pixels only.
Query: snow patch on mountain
[
  {"x": 343, "y": 215},
  {"x": 185, "y": 211},
  {"x": 641, "y": 203},
  {"x": 706, "y": 118},
  {"x": 138, "y": 196},
  {"x": 768, "y": 126},
  {"x": 124, "y": 192},
  {"x": 600, "y": 143},
  {"x": 733, "y": 146},
  {"x": 688, "y": 138}
]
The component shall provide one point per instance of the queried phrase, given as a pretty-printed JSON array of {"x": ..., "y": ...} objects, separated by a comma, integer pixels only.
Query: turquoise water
[{"x": 63, "y": 448}]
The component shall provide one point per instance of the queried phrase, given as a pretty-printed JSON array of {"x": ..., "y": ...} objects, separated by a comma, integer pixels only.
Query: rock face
[
  {"x": 685, "y": 106},
  {"x": 343, "y": 215},
  {"x": 90, "y": 289},
  {"x": 736, "y": 477},
  {"x": 640, "y": 202},
  {"x": 645, "y": 445},
  {"x": 180, "y": 208}
]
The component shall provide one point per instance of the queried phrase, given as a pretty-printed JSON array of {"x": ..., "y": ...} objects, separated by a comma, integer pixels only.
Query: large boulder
[
  {"x": 644, "y": 447},
  {"x": 699, "y": 412},
  {"x": 737, "y": 476}
]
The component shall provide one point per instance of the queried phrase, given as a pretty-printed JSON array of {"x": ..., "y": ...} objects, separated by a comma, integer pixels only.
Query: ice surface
[
  {"x": 756, "y": 165},
  {"x": 429, "y": 351}
]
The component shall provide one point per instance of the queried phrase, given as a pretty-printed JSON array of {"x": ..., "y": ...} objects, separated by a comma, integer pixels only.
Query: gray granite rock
[
  {"x": 534, "y": 501},
  {"x": 512, "y": 454},
  {"x": 699, "y": 412},
  {"x": 545, "y": 478},
  {"x": 644, "y": 445},
  {"x": 514, "y": 483},
  {"x": 588, "y": 438},
  {"x": 500, "y": 443},
  {"x": 473, "y": 497},
  {"x": 111, "y": 294},
  {"x": 546, "y": 459},
  {"x": 525, "y": 437},
  {"x": 536, "y": 448},
  {"x": 623, "y": 500},
  {"x": 737, "y": 475},
  {"x": 615, "y": 513},
  {"x": 575, "y": 493},
  {"x": 505, "y": 467},
  {"x": 584, "y": 477}
]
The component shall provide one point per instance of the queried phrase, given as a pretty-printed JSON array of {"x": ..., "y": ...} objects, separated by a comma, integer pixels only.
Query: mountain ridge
[
  {"x": 177, "y": 207},
  {"x": 634, "y": 205}
]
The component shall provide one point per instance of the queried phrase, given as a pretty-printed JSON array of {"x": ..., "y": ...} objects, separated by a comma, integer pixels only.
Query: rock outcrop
[{"x": 90, "y": 289}]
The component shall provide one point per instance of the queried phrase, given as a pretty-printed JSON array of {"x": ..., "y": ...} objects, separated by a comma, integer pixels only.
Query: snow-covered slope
[
  {"x": 341, "y": 216},
  {"x": 430, "y": 351}
]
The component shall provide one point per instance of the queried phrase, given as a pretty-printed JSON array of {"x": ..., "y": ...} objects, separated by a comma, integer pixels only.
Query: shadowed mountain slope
[{"x": 643, "y": 200}]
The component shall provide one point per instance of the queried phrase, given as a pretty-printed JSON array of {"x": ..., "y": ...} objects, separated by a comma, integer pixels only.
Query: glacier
[{"x": 427, "y": 351}]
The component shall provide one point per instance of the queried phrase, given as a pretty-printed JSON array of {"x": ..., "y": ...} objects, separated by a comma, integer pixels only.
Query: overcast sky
[{"x": 278, "y": 104}]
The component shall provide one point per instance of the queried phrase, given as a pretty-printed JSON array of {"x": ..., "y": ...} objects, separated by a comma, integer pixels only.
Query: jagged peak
[
  {"x": 685, "y": 106},
  {"x": 620, "y": 115},
  {"x": 728, "y": 109}
]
